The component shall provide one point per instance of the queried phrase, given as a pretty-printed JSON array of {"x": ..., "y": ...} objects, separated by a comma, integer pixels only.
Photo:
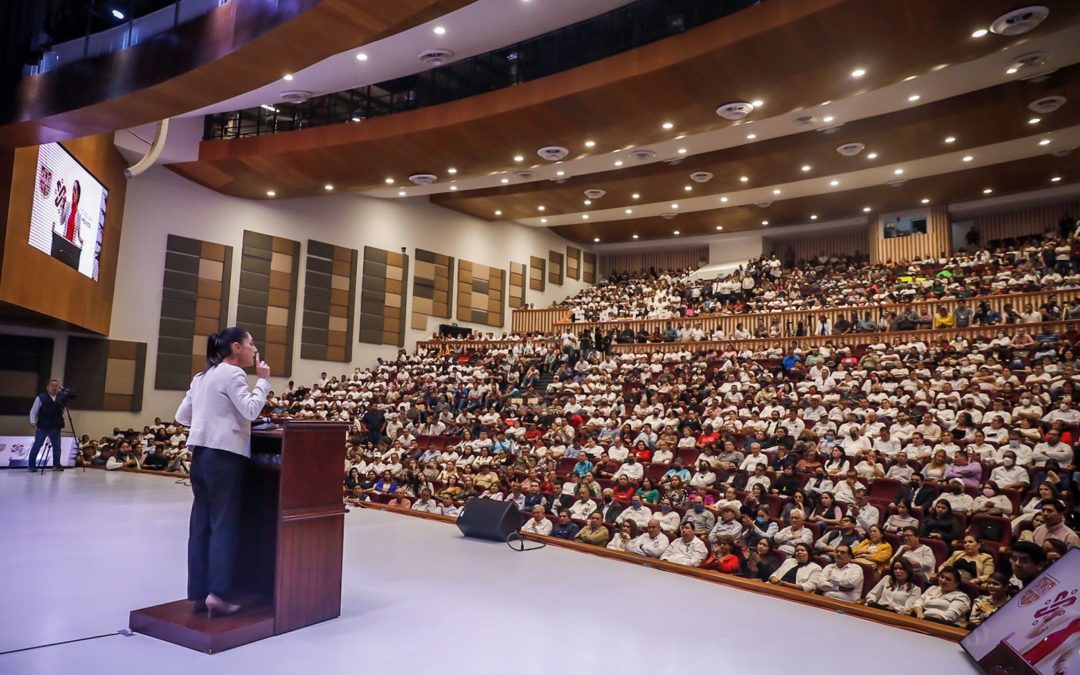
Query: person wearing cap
[{"x": 728, "y": 525}]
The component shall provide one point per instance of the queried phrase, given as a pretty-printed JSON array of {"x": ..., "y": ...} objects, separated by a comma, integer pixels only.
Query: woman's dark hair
[
  {"x": 906, "y": 565},
  {"x": 950, "y": 571},
  {"x": 219, "y": 345}
]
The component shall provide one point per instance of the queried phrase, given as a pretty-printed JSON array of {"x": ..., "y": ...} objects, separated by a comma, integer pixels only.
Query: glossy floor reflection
[{"x": 80, "y": 550}]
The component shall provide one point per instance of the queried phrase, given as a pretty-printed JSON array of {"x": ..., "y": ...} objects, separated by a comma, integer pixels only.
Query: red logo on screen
[
  {"x": 45, "y": 181},
  {"x": 1030, "y": 595}
]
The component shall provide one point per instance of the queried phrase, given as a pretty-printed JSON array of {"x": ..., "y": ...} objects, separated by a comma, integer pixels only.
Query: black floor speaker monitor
[{"x": 484, "y": 518}]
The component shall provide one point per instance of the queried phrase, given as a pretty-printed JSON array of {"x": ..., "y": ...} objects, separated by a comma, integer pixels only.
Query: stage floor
[{"x": 80, "y": 550}]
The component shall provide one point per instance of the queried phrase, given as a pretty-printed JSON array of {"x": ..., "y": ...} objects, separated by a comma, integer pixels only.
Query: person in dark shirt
[
  {"x": 565, "y": 528},
  {"x": 787, "y": 482},
  {"x": 374, "y": 422}
]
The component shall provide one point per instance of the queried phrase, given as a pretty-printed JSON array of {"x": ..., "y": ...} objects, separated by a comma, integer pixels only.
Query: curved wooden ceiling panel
[
  {"x": 791, "y": 53},
  {"x": 235, "y": 48}
]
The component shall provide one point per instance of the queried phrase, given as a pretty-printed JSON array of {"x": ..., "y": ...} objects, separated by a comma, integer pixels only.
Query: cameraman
[{"x": 47, "y": 418}]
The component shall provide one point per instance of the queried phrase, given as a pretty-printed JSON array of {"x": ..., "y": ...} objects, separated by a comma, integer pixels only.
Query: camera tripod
[{"x": 44, "y": 456}]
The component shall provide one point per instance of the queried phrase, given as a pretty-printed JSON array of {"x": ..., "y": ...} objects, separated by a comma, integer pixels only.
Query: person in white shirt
[
  {"x": 945, "y": 602},
  {"x": 900, "y": 471},
  {"x": 538, "y": 524},
  {"x": 897, "y": 591},
  {"x": 426, "y": 504},
  {"x": 915, "y": 552},
  {"x": 686, "y": 550},
  {"x": 625, "y": 533},
  {"x": 798, "y": 571},
  {"x": 1065, "y": 412},
  {"x": 584, "y": 506},
  {"x": 886, "y": 444},
  {"x": 447, "y": 507},
  {"x": 960, "y": 501},
  {"x": 667, "y": 516},
  {"x": 631, "y": 468},
  {"x": 618, "y": 452},
  {"x": 755, "y": 457},
  {"x": 1052, "y": 448},
  {"x": 652, "y": 543},
  {"x": 1010, "y": 475},
  {"x": 758, "y": 478},
  {"x": 797, "y": 532},
  {"x": 637, "y": 513},
  {"x": 842, "y": 579}
]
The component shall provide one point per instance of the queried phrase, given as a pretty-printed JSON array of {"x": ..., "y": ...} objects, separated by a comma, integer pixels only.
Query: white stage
[{"x": 80, "y": 550}]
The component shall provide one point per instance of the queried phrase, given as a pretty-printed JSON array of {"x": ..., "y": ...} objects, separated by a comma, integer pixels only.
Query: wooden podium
[{"x": 289, "y": 554}]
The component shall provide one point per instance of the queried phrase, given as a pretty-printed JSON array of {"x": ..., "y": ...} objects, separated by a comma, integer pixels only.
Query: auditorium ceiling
[{"x": 925, "y": 103}]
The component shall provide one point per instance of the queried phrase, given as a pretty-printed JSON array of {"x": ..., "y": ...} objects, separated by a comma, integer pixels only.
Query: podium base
[{"x": 175, "y": 622}]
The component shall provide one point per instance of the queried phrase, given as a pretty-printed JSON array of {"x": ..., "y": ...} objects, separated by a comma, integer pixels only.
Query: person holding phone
[{"x": 219, "y": 408}]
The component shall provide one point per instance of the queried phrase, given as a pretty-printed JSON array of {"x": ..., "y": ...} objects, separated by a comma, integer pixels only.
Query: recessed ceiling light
[
  {"x": 872, "y": 155},
  {"x": 858, "y": 72},
  {"x": 967, "y": 158},
  {"x": 596, "y": 240},
  {"x": 987, "y": 191},
  {"x": 118, "y": 15},
  {"x": 724, "y": 200},
  {"x": 751, "y": 137},
  {"x": 401, "y": 193},
  {"x": 744, "y": 179},
  {"x": 328, "y": 187},
  {"x": 688, "y": 188},
  {"x": 813, "y": 216},
  {"x": 504, "y": 181},
  {"x": 560, "y": 172},
  {"x": 288, "y": 77},
  {"x": 541, "y": 208},
  {"x": 866, "y": 209},
  {"x": 925, "y": 200},
  {"x": 834, "y": 183},
  {"x": 1012, "y": 71},
  {"x": 453, "y": 188},
  {"x": 439, "y": 30},
  {"x": 635, "y": 196},
  {"x": 674, "y": 206},
  {"x": 389, "y": 181},
  {"x": 1045, "y": 141},
  {"x": 584, "y": 216},
  {"x": 776, "y": 191},
  {"x": 719, "y": 228},
  {"x": 271, "y": 193},
  {"x": 590, "y": 144},
  {"x": 519, "y": 158},
  {"x": 498, "y": 213},
  {"x": 361, "y": 56},
  {"x": 757, "y": 103},
  {"x": 451, "y": 171},
  {"x": 913, "y": 98},
  {"x": 356, "y": 119},
  {"x": 618, "y": 162},
  {"x": 628, "y": 211},
  {"x": 676, "y": 233},
  {"x": 806, "y": 167},
  {"x": 587, "y": 202},
  {"x": 979, "y": 33},
  {"x": 764, "y": 222},
  {"x": 898, "y": 171},
  {"x": 1055, "y": 179},
  {"x": 668, "y": 125},
  {"x": 950, "y": 139},
  {"x": 1034, "y": 120},
  {"x": 827, "y": 118},
  {"x": 909, "y": 78},
  {"x": 682, "y": 151},
  {"x": 543, "y": 221},
  {"x": 634, "y": 237}
]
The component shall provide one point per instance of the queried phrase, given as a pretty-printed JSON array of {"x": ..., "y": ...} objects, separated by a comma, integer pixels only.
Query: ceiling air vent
[
  {"x": 553, "y": 153},
  {"x": 850, "y": 149},
  {"x": 433, "y": 58},
  {"x": 1019, "y": 21},
  {"x": 524, "y": 175},
  {"x": 642, "y": 155},
  {"x": 831, "y": 129},
  {"x": 763, "y": 205},
  {"x": 423, "y": 178},
  {"x": 701, "y": 176},
  {"x": 896, "y": 183},
  {"x": 595, "y": 193},
  {"x": 804, "y": 120},
  {"x": 1062, "y": 152},
  {"x": 295, "y": 96},
  {"x": 668, "y": 215},
  {"x": 735, "y": 110},
  {"x": 1046, "y": 104},
  {"x": 1028, "y": 61}
]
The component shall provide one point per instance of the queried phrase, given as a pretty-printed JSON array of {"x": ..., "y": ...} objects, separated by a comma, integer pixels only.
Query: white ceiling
[{"x": 479, "y": 27}]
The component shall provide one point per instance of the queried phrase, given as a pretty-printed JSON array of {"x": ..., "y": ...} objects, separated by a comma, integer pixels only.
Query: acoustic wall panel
[
  {"x": 329, "y": 297},
  {"x": 573, "y": 263},
  {"x": 432, "y": 287},
  {"x": 193, "y": 305},
  {"x": 555, "y": 267},
  {"x": 266, "y": 302},
  {"x": 105, "y": 374},
  {"x": 25, "y": 364},
  {"x": 383, "y": 297},
  {"x": 537, "y": 273},
  {"x": 517, "y": 285},
  {"x": 588, "y": 268},
  {"x": 480, "y": 294}
]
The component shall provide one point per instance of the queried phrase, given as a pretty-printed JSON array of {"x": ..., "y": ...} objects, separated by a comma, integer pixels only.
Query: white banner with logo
[{"x": 15, "y": 451}]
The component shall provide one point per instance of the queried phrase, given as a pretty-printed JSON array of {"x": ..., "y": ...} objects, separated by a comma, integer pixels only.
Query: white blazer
[
  {"x": 807, "y": 576},
  {"x": 219, "y": 408}
]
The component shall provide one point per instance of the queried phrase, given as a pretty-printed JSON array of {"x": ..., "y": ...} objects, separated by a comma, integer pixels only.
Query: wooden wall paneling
[
  {"x": 555, "y": 268},
  {"x": 25, "y": 366},
  {"x": 835, "y": 244},
  {"x": 106, "y": 374},
  {"x": 528, "y": 321},
  {"x": 517, "y": 285},
  {"x": 936, "y": 242},
  {"x": 383, "y": 297},
  {"x": 433, "y": 288},
  {"x": 659, "y": 260},
  {"x": 537, "y": 273},
  {"x": 588, "y": 268},
  {"x": 266, "y": 297},
  {"x": 1022, "y": 223},
  {"x": 481, "y": 294},
  {"x": 573, "y": 263},
  {"x": 194, "y": 304},
  {"x": 329, "y": 295}
]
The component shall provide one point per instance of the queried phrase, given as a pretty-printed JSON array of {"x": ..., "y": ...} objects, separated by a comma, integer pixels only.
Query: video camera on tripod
[{"x": 64, "y": 395}]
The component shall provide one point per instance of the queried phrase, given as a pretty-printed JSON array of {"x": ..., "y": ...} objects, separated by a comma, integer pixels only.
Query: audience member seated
[
  {"x": 798, "y": 571},
  {"x": 896, "y": 591},
  {"x": 652, "y": 543},
  {"x": 686, "y": 550},
  {"x": 945, "y": 602}
]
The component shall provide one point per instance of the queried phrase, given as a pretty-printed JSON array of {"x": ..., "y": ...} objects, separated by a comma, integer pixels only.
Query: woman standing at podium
[{"x": 219, "y": 408}]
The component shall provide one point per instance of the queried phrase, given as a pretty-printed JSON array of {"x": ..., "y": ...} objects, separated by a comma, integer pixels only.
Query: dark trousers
[
  {"x": 39, "y": 439},
  {"x": 217, "y": 480}
]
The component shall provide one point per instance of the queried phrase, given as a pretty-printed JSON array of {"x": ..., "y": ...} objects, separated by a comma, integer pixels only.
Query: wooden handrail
[
  {"x": 942, "y": 631},
  {"x": 451, "y": 346}
]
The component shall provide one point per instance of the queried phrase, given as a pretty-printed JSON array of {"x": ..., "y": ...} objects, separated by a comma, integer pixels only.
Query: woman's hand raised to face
[{"x": 261, "y": 367}]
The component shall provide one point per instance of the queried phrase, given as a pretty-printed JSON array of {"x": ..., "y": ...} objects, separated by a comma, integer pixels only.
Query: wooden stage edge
[
  {"x": 175, "y": 622},
  {"x": 950, "y": 633}
]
